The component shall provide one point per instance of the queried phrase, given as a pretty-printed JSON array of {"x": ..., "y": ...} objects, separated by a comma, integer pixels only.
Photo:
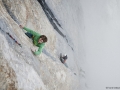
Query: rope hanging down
[{"x": 12, "y": 37}]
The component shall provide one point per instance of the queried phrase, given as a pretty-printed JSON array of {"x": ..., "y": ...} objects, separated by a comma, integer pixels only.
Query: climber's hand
[
  {"x": 21, "y": 26},
  {"x": 33, "y": 50}
]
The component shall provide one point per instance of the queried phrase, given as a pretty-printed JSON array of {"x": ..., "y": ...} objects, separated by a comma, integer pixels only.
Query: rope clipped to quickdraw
[{"x": 12, "y": 37}]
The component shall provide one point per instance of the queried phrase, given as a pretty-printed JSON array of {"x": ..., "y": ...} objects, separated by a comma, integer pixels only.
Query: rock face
[{"x": 19, "y": 68}]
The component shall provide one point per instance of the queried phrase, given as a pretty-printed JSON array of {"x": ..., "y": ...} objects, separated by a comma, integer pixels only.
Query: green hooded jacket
[{"x": 35, "y": 40}]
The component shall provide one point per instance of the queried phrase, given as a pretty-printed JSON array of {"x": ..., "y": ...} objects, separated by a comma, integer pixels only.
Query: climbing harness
[{"x": 12, "y": 37}]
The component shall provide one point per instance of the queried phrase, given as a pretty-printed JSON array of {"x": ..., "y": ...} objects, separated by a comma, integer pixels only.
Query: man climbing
[
  {"x": 38, "y": 40},
  {"x": 64, "y": 58}
]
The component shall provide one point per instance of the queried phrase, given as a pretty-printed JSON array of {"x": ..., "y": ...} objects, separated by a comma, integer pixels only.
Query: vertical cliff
[{"x": 19, "y": 68}]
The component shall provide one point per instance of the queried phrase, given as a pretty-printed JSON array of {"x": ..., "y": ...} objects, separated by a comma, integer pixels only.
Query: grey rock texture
[{"x": 19, "y": 68}]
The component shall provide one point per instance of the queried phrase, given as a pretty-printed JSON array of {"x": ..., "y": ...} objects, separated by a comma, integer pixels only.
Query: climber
[
  {"x": 64, "y": 58},
  {"x": 38, "y": 40}
]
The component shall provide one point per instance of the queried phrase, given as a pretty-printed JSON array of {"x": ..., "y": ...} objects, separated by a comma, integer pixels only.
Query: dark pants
[{"x": 29, "y": 35}]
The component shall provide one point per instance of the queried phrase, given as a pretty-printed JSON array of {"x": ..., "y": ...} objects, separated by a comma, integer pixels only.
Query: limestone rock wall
[{"x": 19, "y": 68}]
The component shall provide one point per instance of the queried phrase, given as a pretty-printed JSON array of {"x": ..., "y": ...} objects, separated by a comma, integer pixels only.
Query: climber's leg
[{"x": 29, "y": 35}]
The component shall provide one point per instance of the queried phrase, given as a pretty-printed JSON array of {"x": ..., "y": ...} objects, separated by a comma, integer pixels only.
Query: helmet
[{"x": 65, "y": 55}]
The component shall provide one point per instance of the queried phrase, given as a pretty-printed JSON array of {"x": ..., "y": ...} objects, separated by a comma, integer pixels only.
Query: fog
[{"x": 102, "y": 37}]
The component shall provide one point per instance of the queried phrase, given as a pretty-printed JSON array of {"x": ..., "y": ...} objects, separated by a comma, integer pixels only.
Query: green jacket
[{"x": 35, "y": 40}]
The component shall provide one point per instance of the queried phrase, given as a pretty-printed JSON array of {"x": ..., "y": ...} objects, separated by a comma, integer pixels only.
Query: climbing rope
[{"x": 11, "y": 37}]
